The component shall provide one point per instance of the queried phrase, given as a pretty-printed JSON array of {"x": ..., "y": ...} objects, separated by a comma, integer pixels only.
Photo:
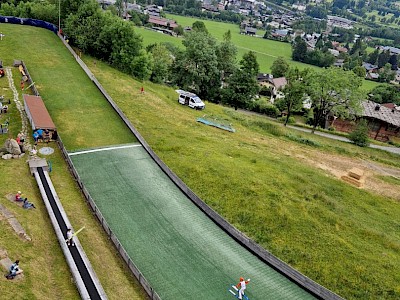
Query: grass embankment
[
  {"x": 74, "y": 104},
  {"x": 270, "y": 187}
]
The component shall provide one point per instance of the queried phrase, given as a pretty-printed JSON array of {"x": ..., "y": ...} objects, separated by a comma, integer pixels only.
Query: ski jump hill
[{"x": 177, "y": 246}]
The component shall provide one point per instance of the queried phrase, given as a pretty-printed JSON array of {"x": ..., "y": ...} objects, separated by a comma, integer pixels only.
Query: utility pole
[{"x": 59, "y": 16}]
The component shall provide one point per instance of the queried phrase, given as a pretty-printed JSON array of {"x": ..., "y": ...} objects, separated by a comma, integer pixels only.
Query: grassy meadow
[
  {"x": 270, "y": 182},
  {"x": 73, "y": 103},
  {"x": 264, "y": 180}
]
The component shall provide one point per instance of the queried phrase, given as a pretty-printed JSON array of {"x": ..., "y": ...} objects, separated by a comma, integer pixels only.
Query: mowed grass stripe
[
  {"x": 73, "y": 101},
  {"x": 167, "y": 236}
]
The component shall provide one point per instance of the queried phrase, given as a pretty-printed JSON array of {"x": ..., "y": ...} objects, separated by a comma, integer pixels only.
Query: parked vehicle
[{"x": 190, "y": 99}]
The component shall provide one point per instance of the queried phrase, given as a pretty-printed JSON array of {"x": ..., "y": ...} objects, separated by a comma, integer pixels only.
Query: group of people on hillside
[
  {"x": 25, "y": 203},
  {"x": 44, "y": 135},
  {"x": 20, "y": 140}
]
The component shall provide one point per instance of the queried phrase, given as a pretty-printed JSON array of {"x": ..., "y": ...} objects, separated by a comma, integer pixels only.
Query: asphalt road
[{"x": 343, "y": 139}]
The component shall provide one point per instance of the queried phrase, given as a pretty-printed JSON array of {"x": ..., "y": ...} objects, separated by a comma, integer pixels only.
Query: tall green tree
[
  {"x": 383, "y": 58},
  {"x": 162, "y": 63},
  {"x": 359, "y": 71},
  {"x": 373, "y": 57},
  {"x": 69, "y": 7},
  {"x": 385, "y": 93},
  {"x": 226, "y": 53},
  {"x": 242, "y": 86},
  {"x": 249, "y": 64},
  {"x": 294, "y": 90},
  {"x": 299, "y": 49},
  {"x": 120, "y": 46},
  {"x": 394, "y": 62},
  {"x": 335, "y": 91},
  {"x": 196, "y": 68},
  {"x": 386, "y": 74},
  {"x": 84, "y": 27},
  {"x": 199, "y": 26},
  {"x": 279, "y": 67}
]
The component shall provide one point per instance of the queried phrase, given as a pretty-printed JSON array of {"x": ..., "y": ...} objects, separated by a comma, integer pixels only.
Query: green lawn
[
  {"x": 368, "y": 85},
  {"x": 67, "y": 92}
]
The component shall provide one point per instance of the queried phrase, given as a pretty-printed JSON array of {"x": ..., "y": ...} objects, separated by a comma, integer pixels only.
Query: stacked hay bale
[{"x": 355, "y": 177}]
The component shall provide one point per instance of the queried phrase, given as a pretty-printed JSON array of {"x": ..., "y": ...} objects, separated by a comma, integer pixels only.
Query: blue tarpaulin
[
  {"x": 28, "y": 21},
  {"x": 216, "y": 124}
]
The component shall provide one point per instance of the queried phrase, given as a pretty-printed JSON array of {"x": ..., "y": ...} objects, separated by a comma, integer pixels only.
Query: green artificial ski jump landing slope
[{"x": 181, "y": 252}]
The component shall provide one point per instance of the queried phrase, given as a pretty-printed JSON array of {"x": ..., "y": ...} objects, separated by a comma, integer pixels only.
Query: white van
[{"x": 190, "y": 99}]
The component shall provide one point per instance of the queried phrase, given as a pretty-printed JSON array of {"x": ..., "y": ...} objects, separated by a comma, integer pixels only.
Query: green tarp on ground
[{"x": 181, "y": 252}]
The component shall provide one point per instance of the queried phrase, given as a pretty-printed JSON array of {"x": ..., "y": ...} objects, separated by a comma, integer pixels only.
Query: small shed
[{"x": 37, "y": 113}]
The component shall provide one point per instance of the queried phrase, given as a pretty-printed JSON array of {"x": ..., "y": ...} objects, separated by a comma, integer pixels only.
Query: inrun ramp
[
  {"x": 179, "y": 250},
  {"x": 86, "y": 280}
]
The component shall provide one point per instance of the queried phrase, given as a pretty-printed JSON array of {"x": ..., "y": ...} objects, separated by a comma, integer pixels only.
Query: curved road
[{"x": 341, "y": 138}]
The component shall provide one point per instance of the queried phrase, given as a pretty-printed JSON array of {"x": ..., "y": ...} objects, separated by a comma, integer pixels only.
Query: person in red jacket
[{"x": 242, "y": 286}]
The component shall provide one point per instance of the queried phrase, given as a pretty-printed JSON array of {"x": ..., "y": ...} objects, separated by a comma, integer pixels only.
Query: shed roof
[
  {"x": 380, "y": 112},
  {"x": 38, "y": 112}
]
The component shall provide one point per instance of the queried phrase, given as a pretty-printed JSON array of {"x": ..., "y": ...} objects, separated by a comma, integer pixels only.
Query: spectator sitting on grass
[
  {"x": 28, "y": 204},
  {"x": 19, "y": 197},
  {"x": 14, "y": 270}
]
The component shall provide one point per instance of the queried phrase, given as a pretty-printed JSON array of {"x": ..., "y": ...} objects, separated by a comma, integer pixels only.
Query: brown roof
[
  {"x": 342, "y": 49},
  {"x": 380, "y": 112},
  {"x": 279, "y": 82},
  {"x": 162, "y": 21},
  {"x": 389, "y": 105},
  {"x": 37, "y": 113}
]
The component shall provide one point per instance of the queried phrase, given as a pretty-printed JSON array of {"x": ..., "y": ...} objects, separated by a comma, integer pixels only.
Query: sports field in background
[{"x": 182, "y": 253}]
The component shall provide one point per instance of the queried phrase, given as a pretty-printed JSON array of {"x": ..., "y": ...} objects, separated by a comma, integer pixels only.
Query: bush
[
  {"x": 359, "y": 136},
  {"x": 291, "y": 120},
  {"x": 265, "y": 107}
]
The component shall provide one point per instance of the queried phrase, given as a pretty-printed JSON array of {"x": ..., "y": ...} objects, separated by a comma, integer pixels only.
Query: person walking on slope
[
  {"x": 242, "y": 285},
  {"x": 70, "y": 238}
]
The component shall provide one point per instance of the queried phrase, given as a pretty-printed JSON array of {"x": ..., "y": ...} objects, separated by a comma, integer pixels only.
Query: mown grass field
[
  {"x": 264, "y": 185},
  {"x": 276, "y": 190},
  {"x": 67, "y": 92}
]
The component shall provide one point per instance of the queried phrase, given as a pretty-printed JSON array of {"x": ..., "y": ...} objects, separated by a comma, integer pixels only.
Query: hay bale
[
  {"x": 353, "y": 181},
  {"x": 356, "y": 173}
]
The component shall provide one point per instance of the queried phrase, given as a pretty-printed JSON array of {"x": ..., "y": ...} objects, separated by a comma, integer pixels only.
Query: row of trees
[{"x": 318, "y": 57}]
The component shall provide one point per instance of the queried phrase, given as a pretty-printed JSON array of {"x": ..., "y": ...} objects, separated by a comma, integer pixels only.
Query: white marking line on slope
[{"x": 103, "y": 149}]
